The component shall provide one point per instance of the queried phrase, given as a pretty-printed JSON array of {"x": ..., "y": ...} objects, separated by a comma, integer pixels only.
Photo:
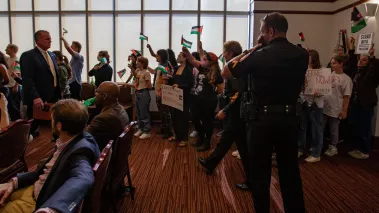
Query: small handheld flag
[
  {"x": 186, "y": 43},
  {"x": 64, "y": 31},
  {"x": 197, "y": 30},
  {"x": 162, "y": 69},
  {"x": 302, "y": 38},
  {"x": 121, "y": 73},
  {"x": 136, "y": 52},
  {"x": 222, "y": 59},
  {"x": 103, "y": 60},
  {"x": 358, "y": 22},
  {"x": 16, "y": 65},
  {"x": 143, "y": 37}
]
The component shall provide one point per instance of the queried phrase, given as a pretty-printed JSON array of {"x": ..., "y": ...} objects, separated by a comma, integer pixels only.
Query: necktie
[{"x": 52, "y": 68}]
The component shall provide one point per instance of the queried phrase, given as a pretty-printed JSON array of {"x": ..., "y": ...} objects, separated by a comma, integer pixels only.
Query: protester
[
  {"x": 102, "y": 71},
  {"x": 65, "y": 73}
]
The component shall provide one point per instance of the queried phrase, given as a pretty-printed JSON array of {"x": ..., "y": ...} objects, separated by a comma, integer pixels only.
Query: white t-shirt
[
  {"x": 342, "y": 85},
  {"x": 142, "y": 77}
]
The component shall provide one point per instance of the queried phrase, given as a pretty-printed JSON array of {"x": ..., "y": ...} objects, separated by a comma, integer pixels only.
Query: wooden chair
[
  {"x": 13, "y": 141},
  {"x": 120, "y": 166},
  {"x": 94, "y": 200}
]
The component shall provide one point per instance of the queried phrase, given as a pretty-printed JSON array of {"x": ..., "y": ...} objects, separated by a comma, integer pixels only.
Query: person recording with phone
[
  {"x": 275, "y": 73},
  {"x": 102, "y": 71}
]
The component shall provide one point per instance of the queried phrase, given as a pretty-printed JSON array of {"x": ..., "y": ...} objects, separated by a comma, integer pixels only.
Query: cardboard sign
[
  {"x": 172, "y": 97},
  {"x": 364, "y": 43},
  {"x": 318, "y": 81}
]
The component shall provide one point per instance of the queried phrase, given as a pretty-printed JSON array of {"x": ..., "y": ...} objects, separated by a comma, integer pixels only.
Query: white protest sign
[
  {"x": 318, "y": 81},
  {"x": 172, "y": 97},
  {"x": 364, "y": 43}
]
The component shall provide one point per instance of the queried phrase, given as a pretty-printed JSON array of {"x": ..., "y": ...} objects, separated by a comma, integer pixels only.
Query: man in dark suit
[
  {"x": 66, "y": 177},
  {"x": 39, "y": 71},
  {"x": 111, "y": 121}
]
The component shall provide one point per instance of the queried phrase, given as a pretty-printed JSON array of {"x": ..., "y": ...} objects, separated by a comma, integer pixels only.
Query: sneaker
[
  {"x": 299, "y": 154},
  {"x": 332, "y": 150},
  {"x": 353, "y": 152},
  {"x": 183, "y": 143},
  {"x": 238, "y": 157},
  {"x": 193, "y": 134},
  {"x": 30, "y": 138},
  {"x": 359, "y": 155},
  {"x": 138, "y": 133},
  {"x": 144, "y": 136},
  {"x": 235, "y": 153},
  {"x": 312, "y": 159}
]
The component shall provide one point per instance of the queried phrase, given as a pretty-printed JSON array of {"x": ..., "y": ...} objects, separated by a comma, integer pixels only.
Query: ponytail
[{"x": 69, "y": 69}]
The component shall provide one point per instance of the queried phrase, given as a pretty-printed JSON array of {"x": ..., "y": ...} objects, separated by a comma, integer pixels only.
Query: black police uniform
[
  {"x": 277, "y": 72},
  {"x": 234, "y": 128}
]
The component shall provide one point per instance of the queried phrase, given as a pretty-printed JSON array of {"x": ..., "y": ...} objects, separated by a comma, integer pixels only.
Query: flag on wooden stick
[
  {"x": 143, "y": 37},
  {"x": 358, "y": 21},
  {"x": 302, "y": 38},
  {"x": 197, "y": 30},
  {"x": 121, "y": 73},
  {"x": 186, "y": 43}
]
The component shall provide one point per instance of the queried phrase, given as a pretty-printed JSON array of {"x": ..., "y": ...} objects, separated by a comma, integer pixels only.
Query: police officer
[
  {"x": 234, "y": 126},
  {"x": 275, "y": 74}
]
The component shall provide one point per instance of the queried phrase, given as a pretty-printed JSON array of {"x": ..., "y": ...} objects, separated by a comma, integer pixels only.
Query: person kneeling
[{"x": 66, "y": 177}]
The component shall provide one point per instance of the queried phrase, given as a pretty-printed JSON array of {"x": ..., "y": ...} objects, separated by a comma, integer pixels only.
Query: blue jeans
[
  {"x": 142, "y": 110},
  {"x": 334, "y": 124},
  {"x": 362, "y": 118},
  {"x": 311, "y": 114}
]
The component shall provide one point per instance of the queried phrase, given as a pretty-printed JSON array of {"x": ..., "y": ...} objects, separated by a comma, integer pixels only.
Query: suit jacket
[
  {"x": 104, "y": 73},
  {"x": 38, "y": 81},
  {"x": 108, "y": 125},
  {"x": 70, "y": 178}
]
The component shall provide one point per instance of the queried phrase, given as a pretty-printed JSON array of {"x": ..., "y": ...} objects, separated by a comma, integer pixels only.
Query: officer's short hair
[
  {"x": 234, "y": 47},
  {"x": 276, "y": 21}
]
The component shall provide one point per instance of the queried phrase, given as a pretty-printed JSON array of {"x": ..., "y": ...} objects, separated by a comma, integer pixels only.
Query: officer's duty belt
[{"x": 285, "y": 109}]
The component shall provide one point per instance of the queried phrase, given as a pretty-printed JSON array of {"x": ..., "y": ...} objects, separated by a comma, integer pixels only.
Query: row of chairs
[{"x": 110, "y": 172}]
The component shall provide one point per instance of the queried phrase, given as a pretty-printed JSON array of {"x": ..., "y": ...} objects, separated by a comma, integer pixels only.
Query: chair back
[
  {"x": 13, "y": 140},
  {"x": 93, "y": 202},
  {"x": 122, "y": 150},
  {"x": 88, "y": 91}
]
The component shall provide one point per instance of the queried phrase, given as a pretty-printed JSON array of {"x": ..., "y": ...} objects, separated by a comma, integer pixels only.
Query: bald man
[{"x": 111, "y": 121}]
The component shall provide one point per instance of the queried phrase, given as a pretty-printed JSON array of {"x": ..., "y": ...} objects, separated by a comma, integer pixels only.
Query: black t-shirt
[
  {"x": 204, "y": 89},
  {"x": 278, "y": 72}
]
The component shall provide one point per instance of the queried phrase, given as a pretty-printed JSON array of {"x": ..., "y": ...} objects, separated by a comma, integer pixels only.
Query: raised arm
[
  {"x": 200, "y": 49},
  {"x": 152, "y": 53},
  {"x": 190, "y": 58},
  {"x": 68, "y": 47}
]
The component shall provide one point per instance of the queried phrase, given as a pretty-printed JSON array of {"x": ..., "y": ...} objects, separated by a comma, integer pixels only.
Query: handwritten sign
[
  {"x": 364, "y": 43},
  {"x": 172, "y": 97},
  {"x": 318, "y": 81}
]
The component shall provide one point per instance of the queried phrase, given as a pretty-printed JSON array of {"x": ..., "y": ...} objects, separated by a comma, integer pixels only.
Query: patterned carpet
[{"x": 169, "y": 179}]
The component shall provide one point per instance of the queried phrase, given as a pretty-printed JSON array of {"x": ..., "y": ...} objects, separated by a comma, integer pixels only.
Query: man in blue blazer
[
  {"x": 39, "y": 71},
  {"x": 66, "y": 177}
]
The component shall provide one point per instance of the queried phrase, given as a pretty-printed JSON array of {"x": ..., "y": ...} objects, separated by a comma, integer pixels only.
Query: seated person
[
  {"x": 111, "y": 121},
  {"x": 66, "y": 177}
]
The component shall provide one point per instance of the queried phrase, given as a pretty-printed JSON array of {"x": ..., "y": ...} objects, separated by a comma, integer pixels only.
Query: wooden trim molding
[{"x": 309, "y": 12}]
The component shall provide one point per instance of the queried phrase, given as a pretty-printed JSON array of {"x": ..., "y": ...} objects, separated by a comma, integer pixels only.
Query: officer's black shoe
[
  {"x": 206, "y": 166},
  {"x": 203, "y": 147},
  {"x": 243, "y": 186}
]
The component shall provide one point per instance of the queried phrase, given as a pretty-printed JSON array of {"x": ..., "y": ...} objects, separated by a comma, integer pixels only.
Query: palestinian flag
[
  {"x": 222, "y": 59},
  {"x": 358, "y": 21},
  {"x": 143, "y": 37},
  {"x": 302, "y": 38},
  {"x": 121, "y": 73},
  {"x": 186, "y": 43},
  {"x": 163, "y": 69},
  {"x": 103, "y": 60},
  {"x": 16, "y": 65},
  {"x": 197, "y": 30},
  {"x": 136, "y": 52}
]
